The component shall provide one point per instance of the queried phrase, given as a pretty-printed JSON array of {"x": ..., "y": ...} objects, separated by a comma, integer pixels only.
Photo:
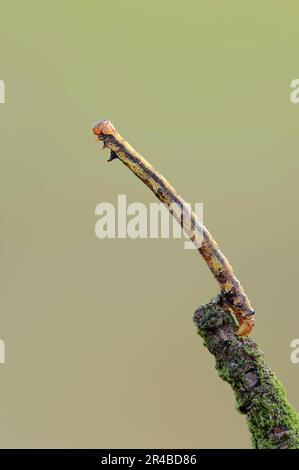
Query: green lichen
[
  {"x": 224, "y": 373},
  {"x": 272, "y": 412},
  {"x": 260, "y": 396}
]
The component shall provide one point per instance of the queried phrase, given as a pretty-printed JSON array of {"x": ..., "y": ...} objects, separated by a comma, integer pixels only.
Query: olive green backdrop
[{"x": 101, "y": 350}]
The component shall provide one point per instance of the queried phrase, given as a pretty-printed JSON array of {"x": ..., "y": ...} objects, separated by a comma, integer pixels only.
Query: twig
[
  {"x": 232, "y": 293},
  {"x": 260, "y": 396}
]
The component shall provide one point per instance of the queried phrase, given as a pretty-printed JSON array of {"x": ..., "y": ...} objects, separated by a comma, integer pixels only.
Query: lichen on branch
[{"x": 272, "y": 421}]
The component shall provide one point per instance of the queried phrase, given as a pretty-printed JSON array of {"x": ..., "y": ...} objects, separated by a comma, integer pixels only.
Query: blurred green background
[{"x": 202, "y": 90}]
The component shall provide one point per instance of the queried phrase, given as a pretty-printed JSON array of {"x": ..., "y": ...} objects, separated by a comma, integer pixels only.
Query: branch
[
  {"x": 260, "y": 396},
  {"x": 231, "y": 289},
  {"x": 272, "y": 421}
]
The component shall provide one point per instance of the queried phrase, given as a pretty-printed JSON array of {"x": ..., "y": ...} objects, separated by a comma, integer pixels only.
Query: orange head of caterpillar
[{"x": 102, "y": 128}]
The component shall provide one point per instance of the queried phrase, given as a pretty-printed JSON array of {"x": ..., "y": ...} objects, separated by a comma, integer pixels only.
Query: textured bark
[{"x": 272, "y": 421}]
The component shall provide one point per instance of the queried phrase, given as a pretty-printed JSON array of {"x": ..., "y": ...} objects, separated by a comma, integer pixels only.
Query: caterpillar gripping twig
[{"x": 232, "y": 292}]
